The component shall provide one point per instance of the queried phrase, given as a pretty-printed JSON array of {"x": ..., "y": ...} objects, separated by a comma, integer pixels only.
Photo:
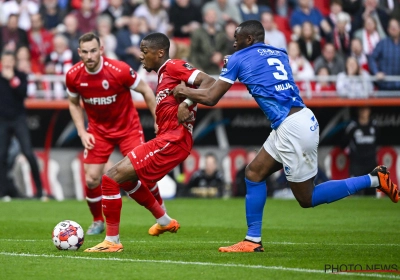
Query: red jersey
[
  {"x": 170, "y": 74},
  {"x": 106, "y": 96}
]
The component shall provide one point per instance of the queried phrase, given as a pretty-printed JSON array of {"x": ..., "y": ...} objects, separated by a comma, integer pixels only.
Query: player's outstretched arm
[
  {"x": 148, "y": 94},
  {"x": 207, "y": 96},
  {"x": 76, "y": 112}
]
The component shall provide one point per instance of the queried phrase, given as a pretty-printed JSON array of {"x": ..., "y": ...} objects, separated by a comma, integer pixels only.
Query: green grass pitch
[{"x": 298, "y": 243}]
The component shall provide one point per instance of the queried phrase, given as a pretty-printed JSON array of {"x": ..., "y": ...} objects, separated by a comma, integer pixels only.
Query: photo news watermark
[{"x": 354, "y": 268}]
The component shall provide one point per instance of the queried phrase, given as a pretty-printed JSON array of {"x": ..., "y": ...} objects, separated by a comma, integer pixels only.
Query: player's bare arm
[
  {"x": 148, "y": 95},
  {"x": 76, "y": 112},
  {"x": 206, "y": 96},
  {"x": 202, "y": 81}
]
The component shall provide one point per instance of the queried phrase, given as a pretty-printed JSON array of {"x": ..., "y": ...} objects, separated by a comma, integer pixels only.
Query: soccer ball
[{"x": 68, "y": 235}]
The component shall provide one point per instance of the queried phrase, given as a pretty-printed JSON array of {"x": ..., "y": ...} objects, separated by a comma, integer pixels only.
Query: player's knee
[
  {"x": 305, "y": 202},
  {"x": 252, "y": 175},
  {"x": 92, "y": 180}
]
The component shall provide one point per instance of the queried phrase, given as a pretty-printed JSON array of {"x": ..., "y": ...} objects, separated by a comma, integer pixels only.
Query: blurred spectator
[
  {"x": 354, "y": 82},
  {"x": 370, "y": 8},
  {"x": 310, "y": 47},
  {"x": 340, "y": 36},
  {"x": 86, "y": 16},
  {"x": 351, "y": 6},
  {"x": 52, "y": 14},
  {"x": 184, "y": 18},
  {"x": 323, "y": 86},
  {"x": 301, "y": 68},
  {"x": 108, "y": 40},
  {"x": 395, "y": 12},
  {"x": 208, "y": 45},
  {"x": 13, "y": 86},
  {"x": 240, "y": 184},
  {"x": 273, "y": 36},
  {"x": 250, "y": 10},
  {"x": 230, "y": 28},
  {"x": 207, "y": 182},
  {"x": 390, "y": 7},
  {"x": 59, "y": 62},
  {"x": 360, "y": 143},
  {"x": 330, "y": 59},
  {"x": 23, "y": 8},
  {"x": 335, "y": 9},
  {"x": 225, "y": 11},
  {"x": 307, "y": 12},
  {"x": 385, "y": 60},
  {"x": 11, "y": 36},
  {"x": 284, "y": 8},
  {"x": 24, "y": 65},
  {"x": 155, "y": 14},
  {"x": 40, "y": 43},
  {"x": 356, "y": 50},
  {"x": 72, "y": 34},
  {"x": 119, "y": 11},
  {"x": 128, "y": 43},
  {"x": 368, "y": 35}
]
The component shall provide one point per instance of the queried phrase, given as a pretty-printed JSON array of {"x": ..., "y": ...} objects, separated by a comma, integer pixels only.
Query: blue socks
[
  {"x": 255, "y": 200},
  {"x": 331, "y": 191}
]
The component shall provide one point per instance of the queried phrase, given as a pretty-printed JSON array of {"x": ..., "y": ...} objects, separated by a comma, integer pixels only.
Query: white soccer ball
[{"x": 68, "y": 235}]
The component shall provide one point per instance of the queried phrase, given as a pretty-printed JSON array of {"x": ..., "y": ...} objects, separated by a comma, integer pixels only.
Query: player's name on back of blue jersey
[{"x": 284, "y": 86}]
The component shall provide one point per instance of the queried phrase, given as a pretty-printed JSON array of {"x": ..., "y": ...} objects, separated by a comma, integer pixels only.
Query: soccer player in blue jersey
[{"x": 293, "y": 142}]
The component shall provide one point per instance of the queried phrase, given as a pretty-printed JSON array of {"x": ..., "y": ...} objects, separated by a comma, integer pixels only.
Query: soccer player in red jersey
[
  {"x": 152, "y": 160},
  {"x": 104, "y": 86}
]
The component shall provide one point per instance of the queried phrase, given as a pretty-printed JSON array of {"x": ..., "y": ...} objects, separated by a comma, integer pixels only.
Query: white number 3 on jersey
[{"x": 282, "y": 74}]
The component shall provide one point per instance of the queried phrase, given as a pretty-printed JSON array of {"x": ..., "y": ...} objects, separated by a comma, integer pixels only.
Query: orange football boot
[
  {"x": 106, "y": 246},
  {"x": 385, "y": 184},
  {"x": 157, "y": 229},
  {"x": 244, "y": 246}
]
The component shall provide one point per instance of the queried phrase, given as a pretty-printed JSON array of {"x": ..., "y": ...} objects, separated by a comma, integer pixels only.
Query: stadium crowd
[{"x": 322, "y": 37}]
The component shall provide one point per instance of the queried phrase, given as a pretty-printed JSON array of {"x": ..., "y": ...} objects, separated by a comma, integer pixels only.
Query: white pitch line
[
  {"x": 216, "y": 242},
  {"x": 281, "y": 268}
]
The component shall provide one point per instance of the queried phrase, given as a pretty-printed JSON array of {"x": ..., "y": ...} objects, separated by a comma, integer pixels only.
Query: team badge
[
  {"x": 226, "y": 58},
  {"x": 105, "y": 84},
  {"x": 188, "y": 66},
  {"x": 85, "y": 153}
]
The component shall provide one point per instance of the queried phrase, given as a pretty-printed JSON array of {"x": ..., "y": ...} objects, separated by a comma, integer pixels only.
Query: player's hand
[
  {"x": 179, "y": 91},
  {"x": 184, "y": 115},
  {"x": 88, "y": 140}
]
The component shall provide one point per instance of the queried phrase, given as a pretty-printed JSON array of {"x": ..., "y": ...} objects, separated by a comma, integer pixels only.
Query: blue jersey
[{"x": 268, "y": 77}]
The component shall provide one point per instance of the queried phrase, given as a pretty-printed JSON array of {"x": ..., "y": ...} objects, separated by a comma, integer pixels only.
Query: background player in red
[
  {"x": 104, "y": 86},
  {"x": 151, "y": 161}
]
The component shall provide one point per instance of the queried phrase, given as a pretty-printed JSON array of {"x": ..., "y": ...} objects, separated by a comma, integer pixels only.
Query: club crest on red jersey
[
  {"x": 105, "y": 84},
  {"x": 188, "y": 66},
  {"x": 85, "y": 153}
]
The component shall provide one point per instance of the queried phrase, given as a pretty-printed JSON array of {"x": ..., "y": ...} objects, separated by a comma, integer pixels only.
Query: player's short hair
[
  {"x": 87, "y": 37},
  {"x": 158, "y": 41},
  {"x": 253, "y": 27}
]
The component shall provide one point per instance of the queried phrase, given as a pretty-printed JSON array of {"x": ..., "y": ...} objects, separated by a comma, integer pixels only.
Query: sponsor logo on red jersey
[{"x": 101, "y": 100}]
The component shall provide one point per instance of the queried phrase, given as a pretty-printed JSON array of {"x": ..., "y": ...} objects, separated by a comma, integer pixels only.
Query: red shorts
[
  {"x": 156, "y": 158},
  {"x": 103, "y": 146}
]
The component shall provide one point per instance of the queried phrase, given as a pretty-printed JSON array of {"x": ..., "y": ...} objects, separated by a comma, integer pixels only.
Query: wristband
[{"x": 188, "y": 102}]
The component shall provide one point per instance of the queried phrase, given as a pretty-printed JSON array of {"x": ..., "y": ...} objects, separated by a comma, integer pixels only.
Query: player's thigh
[
  {"x": 122, "y": 171},
  {"x": 262, "y": 166},
  {"x": 131, "y": 141},
  {"x": 296, "y": 143},
  {"x": 101, "y": 151},
  {"x": 156, "y": 158}
]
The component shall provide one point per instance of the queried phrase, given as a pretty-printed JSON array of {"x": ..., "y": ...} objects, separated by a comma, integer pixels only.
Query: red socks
[
  {"x": 142, "y": 195},
  {"x": 112, "y": 205},
  {"x": 156, "y": 193},
  {"x": 93, "y": 198}
]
